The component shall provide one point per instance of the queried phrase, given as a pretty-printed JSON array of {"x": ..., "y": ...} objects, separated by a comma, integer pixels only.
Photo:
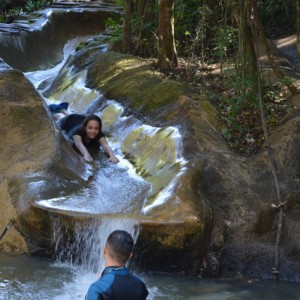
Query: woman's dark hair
[
  {"x": 120, "y": 245},
  {"x": 91, "y": 118}
]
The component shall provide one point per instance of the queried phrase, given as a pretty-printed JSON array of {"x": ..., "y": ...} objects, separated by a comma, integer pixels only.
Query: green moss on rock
[
  {"x": 209, "y": 112},
  {"x": 127, "y": 78}
]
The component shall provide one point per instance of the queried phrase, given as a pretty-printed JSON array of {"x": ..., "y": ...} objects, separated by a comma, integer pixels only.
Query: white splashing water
[{"x": 82, "y": 253}]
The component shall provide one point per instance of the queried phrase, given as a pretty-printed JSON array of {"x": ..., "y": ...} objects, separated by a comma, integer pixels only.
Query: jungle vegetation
[
  {"x": 215, "y": 48},
  {"x": 11, "y": 9}
]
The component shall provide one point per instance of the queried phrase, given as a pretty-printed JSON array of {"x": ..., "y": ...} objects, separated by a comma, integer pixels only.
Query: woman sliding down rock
[{"x": 84, "y": 130}]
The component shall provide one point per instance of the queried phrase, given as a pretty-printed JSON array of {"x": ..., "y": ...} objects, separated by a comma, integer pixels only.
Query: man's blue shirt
[{"x": 117, "y": 284}]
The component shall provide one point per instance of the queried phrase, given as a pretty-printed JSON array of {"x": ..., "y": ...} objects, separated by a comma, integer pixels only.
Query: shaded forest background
[{"x": 214, "y": 47}]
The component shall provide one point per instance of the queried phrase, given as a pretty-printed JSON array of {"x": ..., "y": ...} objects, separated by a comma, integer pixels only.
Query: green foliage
[
  {"x": 224, "y": 40},
  {"x": 202, "y": 31},
  {"x": 192, "y": 26},
  {"x": 143, "y": 30},
  {"x": 286, "y": 80},
  {"x": 33, "y": 5},
  {"x": 241, "y": 99},
  {"x": 3, "y": 3},
  {"x": 115, "y": 28},
  {"x": 29, "y": 6},
  {"x": 14, "y": 11},
  {"x": 91, "y": 43},
  {"x": 278, "y": 17},
  {"x": 241, "y": 114},
  {"x": 13, "y": 8},
  {"x": 120, "y": 2}
]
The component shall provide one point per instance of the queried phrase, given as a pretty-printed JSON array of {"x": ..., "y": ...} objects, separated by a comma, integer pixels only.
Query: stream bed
[{"x": 23, "y": 278}]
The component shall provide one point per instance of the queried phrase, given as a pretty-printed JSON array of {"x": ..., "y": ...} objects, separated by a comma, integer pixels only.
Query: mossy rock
[{"x": 128, "y": 79}]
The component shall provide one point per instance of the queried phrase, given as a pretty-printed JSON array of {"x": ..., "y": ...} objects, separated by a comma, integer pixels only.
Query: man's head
[{"x": 119, "y": 246}]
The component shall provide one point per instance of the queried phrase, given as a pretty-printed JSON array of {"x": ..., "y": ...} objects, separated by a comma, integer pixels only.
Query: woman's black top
[{"x": 72, "y": 124}]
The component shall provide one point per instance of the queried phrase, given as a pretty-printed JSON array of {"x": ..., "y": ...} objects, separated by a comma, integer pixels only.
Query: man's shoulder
[
  {"x": 137, "y": 277},
  {"x": 104, "y": 282},
  {"x": 100, "y": 286}
]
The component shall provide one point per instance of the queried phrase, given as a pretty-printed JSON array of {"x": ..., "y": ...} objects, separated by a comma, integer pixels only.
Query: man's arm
[{"x": 93, "y": 293}]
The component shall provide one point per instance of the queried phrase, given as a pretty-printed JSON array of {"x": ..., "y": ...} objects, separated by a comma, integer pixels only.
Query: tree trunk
[
  {"x": 127, "y": 42},
  {"x": 298, "y": 28},
  {"x": 246, "y": 58},
  {"x": 167, "y": 56},
  {"x": 257, "y": 30},
  {"x": 146, "y": 15},
  {"x": 141, "y": 9}
]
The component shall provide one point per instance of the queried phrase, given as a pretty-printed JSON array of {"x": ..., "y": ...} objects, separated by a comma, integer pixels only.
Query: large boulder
[
  {"x": 35, "y": 161},
  {"x": 222, "y": 210}
]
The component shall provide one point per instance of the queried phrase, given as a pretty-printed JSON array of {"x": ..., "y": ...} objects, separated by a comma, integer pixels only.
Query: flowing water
[
  {"x": 119, "y": 187},
  {"x": 29, "y": 278}
]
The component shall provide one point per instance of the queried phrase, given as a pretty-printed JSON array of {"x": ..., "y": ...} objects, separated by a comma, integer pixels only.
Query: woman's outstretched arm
[
  {"x": 82, "y": 149},
  {"x": 107, "y": 150}
]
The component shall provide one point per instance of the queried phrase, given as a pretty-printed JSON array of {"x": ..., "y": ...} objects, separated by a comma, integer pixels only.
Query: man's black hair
[{"x": 120, "y": 244}]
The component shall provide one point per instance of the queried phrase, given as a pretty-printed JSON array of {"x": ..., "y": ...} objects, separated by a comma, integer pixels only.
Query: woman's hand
[
  {"x": 113, "y": 159},
  {"x": 88, "y": 158},
  {"x": 108, "y": 151}
]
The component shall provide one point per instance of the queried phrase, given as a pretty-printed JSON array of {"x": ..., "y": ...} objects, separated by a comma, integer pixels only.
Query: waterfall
[
  {"x": 84, "y": 246},
  {"x": 79, "y": 249}
]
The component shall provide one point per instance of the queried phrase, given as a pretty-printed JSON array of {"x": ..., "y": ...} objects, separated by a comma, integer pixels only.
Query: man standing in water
[{"x": 116, "y": 282}]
